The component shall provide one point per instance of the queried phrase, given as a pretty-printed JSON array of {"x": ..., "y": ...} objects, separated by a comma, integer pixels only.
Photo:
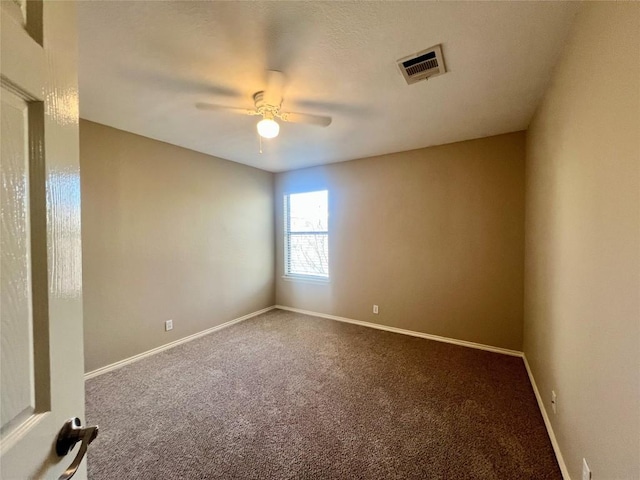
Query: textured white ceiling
[{"x": 144, "y": 65}]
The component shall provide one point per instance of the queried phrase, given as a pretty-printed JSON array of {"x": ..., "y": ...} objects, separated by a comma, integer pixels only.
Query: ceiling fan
[{"x": 267, "y": 105}]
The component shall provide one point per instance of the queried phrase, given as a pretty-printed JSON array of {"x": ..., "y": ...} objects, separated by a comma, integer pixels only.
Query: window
[{"x": 306, "y": 234}]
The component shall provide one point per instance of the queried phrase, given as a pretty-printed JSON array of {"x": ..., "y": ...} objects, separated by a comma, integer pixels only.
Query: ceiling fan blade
[
  {"x": 213, "y": 106},
  {"x": 275, "y": 87},
  {"x": 305, "y": 118}
]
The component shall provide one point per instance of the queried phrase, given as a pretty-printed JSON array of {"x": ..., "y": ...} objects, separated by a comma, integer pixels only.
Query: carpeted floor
[{"x": 287, "y": 396}]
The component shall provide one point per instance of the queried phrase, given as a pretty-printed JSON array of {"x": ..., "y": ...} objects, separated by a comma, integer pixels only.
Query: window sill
[{"x": 301, "y": 279}]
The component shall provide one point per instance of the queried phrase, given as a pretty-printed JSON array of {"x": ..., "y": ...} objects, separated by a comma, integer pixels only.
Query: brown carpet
[{"x": 287, "y": 396}]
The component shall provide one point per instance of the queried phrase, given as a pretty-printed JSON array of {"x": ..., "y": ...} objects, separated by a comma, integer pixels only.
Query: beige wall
[
  {"x": 435, "y": 237},
  {"x": 168, "y": 233},
  {"x": 582, "y": 303}
]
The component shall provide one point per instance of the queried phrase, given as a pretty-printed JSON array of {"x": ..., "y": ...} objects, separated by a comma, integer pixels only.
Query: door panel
[
  {"x": 17, "y": 389},
  {"x": 41, "y": 316}
]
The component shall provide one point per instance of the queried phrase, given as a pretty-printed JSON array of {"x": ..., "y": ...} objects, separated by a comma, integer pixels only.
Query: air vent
[{"x": 422, "y": 65}]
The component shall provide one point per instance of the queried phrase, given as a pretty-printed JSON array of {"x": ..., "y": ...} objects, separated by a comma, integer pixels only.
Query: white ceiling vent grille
[{"x": 422, "y": 65}]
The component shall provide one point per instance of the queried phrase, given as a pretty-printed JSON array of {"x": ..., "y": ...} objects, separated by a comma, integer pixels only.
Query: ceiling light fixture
[{"x": 268, "y": 127}]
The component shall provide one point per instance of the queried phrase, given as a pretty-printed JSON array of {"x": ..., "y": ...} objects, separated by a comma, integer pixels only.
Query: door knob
[{"x": 70, "y": 434}]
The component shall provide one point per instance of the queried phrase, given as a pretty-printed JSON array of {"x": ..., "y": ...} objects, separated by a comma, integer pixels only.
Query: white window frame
[{"x": 288, "y": 233}]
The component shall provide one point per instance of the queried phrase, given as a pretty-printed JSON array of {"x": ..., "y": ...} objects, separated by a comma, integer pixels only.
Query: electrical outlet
[
  {"x": 586, "y": 471},
  {"x": 554, "y": 402},
  {"x": 375, "y": 309},
  {"x": 168, "y": 325}
]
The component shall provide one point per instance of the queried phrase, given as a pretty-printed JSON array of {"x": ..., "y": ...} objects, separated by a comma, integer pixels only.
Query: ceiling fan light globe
[{"x": 268, "y": 128}]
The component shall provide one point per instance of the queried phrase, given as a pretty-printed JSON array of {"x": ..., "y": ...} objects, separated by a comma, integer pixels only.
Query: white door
[{"x": 41, "y": 352}]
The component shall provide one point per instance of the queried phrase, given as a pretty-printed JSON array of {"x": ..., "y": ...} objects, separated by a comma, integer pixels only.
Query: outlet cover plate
[{"x": 168, "y": 325}]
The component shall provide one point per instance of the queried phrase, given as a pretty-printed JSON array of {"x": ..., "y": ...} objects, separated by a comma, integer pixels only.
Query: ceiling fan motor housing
[{"x": 258, "y": 100}]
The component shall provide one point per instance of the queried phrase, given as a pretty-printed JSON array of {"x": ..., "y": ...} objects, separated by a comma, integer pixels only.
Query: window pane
[
  {"x": 308, "y": 212},
  {"x": 309, "y": 254},
  {"x": 306, "y": 234}
]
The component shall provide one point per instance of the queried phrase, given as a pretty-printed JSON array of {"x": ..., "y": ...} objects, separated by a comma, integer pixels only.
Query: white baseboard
[
  {"x": 153, "y": 351},
  {"x": 547, "y": 422},
  {"x": 464, "y": 343}
]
